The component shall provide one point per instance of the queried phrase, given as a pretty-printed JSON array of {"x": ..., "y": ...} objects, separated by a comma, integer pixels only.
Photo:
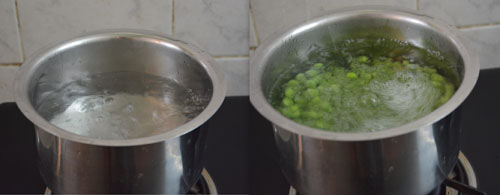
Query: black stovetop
[{"x": 241, "y": 157}]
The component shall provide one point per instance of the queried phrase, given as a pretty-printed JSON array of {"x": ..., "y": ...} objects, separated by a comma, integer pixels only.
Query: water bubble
[
  {"x": 108, "y": 99},
  {"x": 128, "y": 108},
  {"x": 123, "y": 113}
]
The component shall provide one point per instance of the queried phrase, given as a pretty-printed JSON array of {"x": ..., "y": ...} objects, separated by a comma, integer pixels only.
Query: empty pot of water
[{"x": 120, "y": 112}]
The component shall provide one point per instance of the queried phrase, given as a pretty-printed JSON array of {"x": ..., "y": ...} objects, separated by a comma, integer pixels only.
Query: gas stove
[
  {"x": 204, "y": 185},
  {"x": 241, "y": 157},
  {"x": 461, "y": 180}
]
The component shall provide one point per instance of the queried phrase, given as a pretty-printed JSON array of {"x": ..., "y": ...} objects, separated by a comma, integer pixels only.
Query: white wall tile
[
  {"x": 47, "y": 21},
  {"x": 219, "y": 27},
  {"x": 273, "y": 15},
  {"x": 486, "y": 40},
  {"x": 7, "y": 75},
  {"x": 10, "y": 48},
  {"x": 463, "y": 12},
  {"x": 236, "y": 74}
]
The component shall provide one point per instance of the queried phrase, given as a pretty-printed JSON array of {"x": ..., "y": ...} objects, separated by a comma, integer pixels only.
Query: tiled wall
[
  {"x": 478, "y": 19},
  {"x": 219, "y": 27}
]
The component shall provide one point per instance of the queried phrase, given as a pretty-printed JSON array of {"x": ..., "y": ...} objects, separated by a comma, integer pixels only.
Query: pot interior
[
  {"x": 357, "y": 33},
  {"x": 119, "y": 86}
]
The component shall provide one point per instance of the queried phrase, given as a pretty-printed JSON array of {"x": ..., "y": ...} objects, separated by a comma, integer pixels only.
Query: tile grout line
[
  {"x": 472, "y": 26},
  {"x": 253, "y": 23},
  {"x": 9, "y": 64},
  {"x": 173, "y": 17},
  {"x": 418, "y": 4},
  {"x": 21, "y": 42}
]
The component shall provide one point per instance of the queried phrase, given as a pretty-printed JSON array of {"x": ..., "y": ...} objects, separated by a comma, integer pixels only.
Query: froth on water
[{"x": 121, "y": 105}]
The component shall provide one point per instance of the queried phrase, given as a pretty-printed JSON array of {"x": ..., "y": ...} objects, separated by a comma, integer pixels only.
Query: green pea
[
  {"x": 311, "y": 83},
  {"x": 289, "y": 92},
  {"x": 312, "y": 73},
  {"x": 315, "y": 100},
  {"x": 312, "y": 92},
  {"x": 301, "y": 77},
  {"x": 437, "y": 84},
  {"x": 352, "y": 75},
  {"x": 293, "y": 83},
  {"x": 287, "y": 102},
  {"x": 318, "y": 65},
  {"x": 300, "y": 100},
  {"x": 311, "y": 114},
  {"x": 324, "y": 105},
  {"x": 448, "y": 91},
  {"x": 437, "y": 77},
  {"x": 292, "y": 111},
  {"x": 363, "y": 59}
]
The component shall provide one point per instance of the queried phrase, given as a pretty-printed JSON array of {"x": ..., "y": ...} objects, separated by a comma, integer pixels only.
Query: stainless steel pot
[
  {"x": 410, "y": 159},
  {"x": 169, "y": 162}
]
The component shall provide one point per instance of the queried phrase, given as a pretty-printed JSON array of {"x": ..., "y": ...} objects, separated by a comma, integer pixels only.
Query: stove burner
[
  {"x": 204, "y": 185},
  {"x": 462, "y": 176},
  {"x": 461, "y": 179}
]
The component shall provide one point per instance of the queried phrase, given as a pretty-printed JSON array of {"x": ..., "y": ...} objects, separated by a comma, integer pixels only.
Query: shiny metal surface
[
  {"x": 462, "y": 161},
  {"x": 410, "y": 159},
  {"x": 168, "y": 162},
  {"x": 212, "y": 189}
]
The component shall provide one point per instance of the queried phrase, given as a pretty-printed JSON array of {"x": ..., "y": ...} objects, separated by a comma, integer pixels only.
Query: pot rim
[
  {"x": 258, "y": 60},
  {"x": 23, "y": 77}
]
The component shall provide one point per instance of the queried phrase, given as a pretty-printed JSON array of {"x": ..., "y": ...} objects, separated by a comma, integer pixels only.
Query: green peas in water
[{"x": 340, "y": 98}]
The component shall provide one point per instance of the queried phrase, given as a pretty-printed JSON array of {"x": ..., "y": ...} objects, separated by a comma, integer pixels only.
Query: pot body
[
  {"x": 161, "y": 160},
  {"x": 413, "y": 158},
  {"x": 167, "y": 167},
  {"x": 413, "y": 163}
]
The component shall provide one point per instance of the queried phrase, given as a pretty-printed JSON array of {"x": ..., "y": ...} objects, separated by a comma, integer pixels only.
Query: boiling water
[
  {"x": 121, "y": 105},
  {"x": 382, "y": 103}
]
